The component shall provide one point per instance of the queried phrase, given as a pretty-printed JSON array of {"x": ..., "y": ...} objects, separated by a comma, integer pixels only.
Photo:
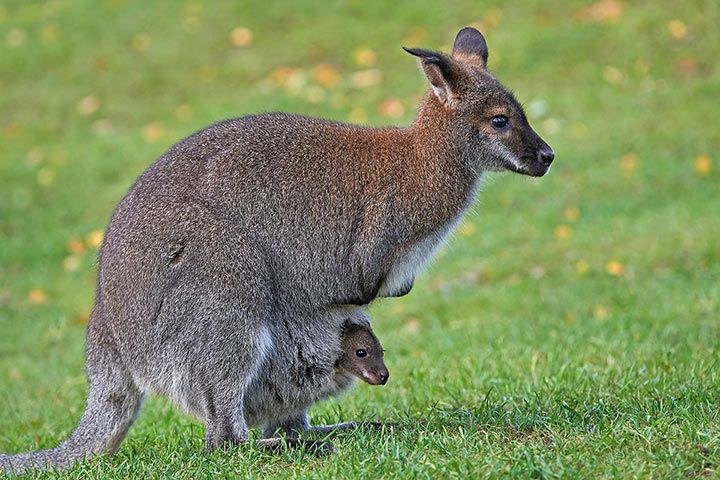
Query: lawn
[{"x": 569, "y": 330}]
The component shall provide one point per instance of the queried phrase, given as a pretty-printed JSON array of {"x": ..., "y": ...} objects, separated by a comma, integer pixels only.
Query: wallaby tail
[{"x": 113, "y": 403}]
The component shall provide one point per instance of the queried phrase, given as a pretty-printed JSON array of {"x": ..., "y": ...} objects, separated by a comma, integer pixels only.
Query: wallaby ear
[
  {"x": 470, "y": 47},
  {"x": 443, "y": 73}
]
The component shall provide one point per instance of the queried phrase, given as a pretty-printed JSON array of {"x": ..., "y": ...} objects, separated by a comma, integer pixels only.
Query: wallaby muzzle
[{"x": 537, "y": 158}]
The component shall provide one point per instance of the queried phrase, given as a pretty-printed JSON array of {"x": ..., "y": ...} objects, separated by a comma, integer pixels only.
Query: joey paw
[{"x": 320, "y": 448}]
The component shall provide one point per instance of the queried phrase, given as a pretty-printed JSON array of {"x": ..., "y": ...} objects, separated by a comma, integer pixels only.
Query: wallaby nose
[
  {"x": 383, "y": 375},
  {"x": 546, "y": 155}
]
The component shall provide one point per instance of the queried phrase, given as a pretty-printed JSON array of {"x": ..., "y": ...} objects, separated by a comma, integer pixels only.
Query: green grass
[{"x": 517, "y": 353}]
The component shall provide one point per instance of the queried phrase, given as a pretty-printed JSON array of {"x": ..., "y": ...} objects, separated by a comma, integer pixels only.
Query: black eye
[
  {"x": 361, "y": 353},
  {"x": 499, "y": 121}
]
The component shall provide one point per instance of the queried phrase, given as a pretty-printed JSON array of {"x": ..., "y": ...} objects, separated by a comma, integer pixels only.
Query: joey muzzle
[{"x": 376, "y": 377}]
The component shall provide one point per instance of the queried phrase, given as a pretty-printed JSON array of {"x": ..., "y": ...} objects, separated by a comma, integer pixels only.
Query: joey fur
[
  {"x": 360, "y": 357},
  {"x": 238, "y": 255}
]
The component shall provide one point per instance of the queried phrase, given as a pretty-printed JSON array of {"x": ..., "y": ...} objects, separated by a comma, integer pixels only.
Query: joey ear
[
  {"x": 349, "y": 327},
  {"x": 443, "y": 73},
  {"x": 470, "y": 47}
]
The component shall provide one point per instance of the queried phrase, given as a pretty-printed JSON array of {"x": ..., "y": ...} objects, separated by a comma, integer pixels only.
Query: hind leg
[
  {"x": 217, "y": 336},
  {"x": 234, "y": 354}
]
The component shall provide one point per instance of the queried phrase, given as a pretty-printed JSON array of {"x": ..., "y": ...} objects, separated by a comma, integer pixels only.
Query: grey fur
[{"x": 235, "y": 258}]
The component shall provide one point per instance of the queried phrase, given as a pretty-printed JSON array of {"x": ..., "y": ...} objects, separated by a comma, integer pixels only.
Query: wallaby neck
[{"x": 437, "y": 159}]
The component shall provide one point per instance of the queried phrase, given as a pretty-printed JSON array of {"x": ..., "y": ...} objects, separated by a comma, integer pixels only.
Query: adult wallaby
[{"x": 260, "y": 233}]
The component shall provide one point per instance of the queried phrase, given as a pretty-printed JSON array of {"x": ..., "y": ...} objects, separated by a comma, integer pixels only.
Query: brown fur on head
[
  {"x": 487, "y": 124},
  {"x": 362, "y": 355}
]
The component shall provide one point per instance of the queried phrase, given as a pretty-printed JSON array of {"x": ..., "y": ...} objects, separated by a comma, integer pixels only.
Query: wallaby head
[
  {"x": 362, "y": 355},
  {"x": 483, "y": 119}
]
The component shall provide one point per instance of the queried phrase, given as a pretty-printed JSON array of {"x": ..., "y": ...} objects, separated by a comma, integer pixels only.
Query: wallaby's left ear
[
  {"x": 470, "y": 47},
  {"x": 442, "y": 71}
]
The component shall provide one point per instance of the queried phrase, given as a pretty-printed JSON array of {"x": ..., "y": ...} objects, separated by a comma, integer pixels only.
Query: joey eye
[
  {"x": 361, "y": 353},
  {"x": 499, "y": 121}
]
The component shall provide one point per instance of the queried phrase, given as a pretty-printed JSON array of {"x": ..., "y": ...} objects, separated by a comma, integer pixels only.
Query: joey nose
[
  {"x": 546, "y": 155},
  {"x": 383, "y": 375}
]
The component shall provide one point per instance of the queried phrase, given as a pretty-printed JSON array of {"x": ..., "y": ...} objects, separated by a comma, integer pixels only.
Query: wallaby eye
[
  {"x": 361, "y": 353},
  {"x": 499, "y": 121}
]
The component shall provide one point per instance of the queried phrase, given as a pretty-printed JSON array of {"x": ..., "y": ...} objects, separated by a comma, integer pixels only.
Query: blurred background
[{"x": 580, "y": 308}]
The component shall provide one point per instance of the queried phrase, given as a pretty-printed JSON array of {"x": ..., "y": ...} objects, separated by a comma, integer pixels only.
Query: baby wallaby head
[{"x": 362, "y": 354}]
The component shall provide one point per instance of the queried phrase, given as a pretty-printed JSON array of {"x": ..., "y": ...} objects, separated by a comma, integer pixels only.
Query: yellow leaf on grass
[
  {"x": 490, "y": 20},
  {"x": 183, "y": 113},
  {"x": 45, "y": 176},
  {"x": 415, "y": 37},
  {"x": 365, "y": 57},
  {"x": 71, "y": 263},
  {"x": 241, "y": 37},
  {"x": 366, "y": 78},
  {"x": 102, "y": 127},
  {"x": 562, "y": 232},
  {"x": 571, "y": 214},
  {"x": 15, "y": 37},
  {"x": 35, "y": 156},
  {"x": 282, "y": 75},
  {"x": 538, "y": 271},
  {"x": 467, "y": 229},
  {"x": 326, "y": 75},
  {"x": 140, "y": 42},
  {"x": 88, "y": 105},
  {"x": 412, "y": 325},
  {"x": 37, "y": 296},
  {"x": 49, "y": 33},
  {"x": 392, "y": 108},
  {"x": 314, "y": 94},
  {"x": 677, "y": 29},
  {"x": 602, "y": 11},
  {"x": 613, "y": 75},
  {"x": 82, "y": 317},
  {"x": 628, "y": 163},
  {"x": 615, "y": 268},
  {"x": 358, "y": 115},
  {"x": 686, "y": 67},
  {"x": 153, "y": 131},
  {"x": 581, "y": 267},
  {"x": 702, "y": 164},
  {"x": 600, "y": 311},
  {"x": 74, "y": 245},
  {"x": 94, "y": 239}
]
